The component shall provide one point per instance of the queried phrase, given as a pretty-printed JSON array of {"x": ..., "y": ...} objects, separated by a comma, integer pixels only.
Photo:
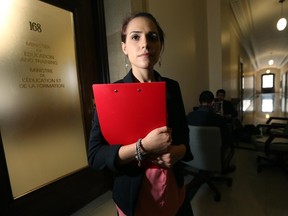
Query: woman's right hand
[{"x": 157, "y": 141}]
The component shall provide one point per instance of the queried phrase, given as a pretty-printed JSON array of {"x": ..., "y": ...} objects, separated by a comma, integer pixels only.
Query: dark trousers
[
  {"x": 191, "y": 190},
  {"x": 186, "y": 208}
]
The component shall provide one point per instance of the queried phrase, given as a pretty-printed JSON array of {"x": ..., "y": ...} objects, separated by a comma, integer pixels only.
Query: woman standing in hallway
[{"x": 156, "y": 187}]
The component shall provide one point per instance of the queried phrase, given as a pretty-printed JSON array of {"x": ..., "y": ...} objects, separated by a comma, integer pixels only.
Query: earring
[
  {"x": 159, "y": 62},
  {"x": 126, "y": 63}
]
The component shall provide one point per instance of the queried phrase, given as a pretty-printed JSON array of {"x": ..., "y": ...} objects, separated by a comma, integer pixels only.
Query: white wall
[
  {"x": 214, "y": 44},
  {"x": 185, "y": 57}
]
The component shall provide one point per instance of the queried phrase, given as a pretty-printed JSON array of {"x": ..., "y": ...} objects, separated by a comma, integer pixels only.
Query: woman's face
[{"x": 142, "y": 44}]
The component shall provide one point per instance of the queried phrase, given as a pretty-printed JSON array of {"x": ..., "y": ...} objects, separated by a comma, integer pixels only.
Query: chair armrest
[
  {"x": 276, "y": 135},
  {"x": 276, "y": 118},
  {"x": 269, "y": 127},
  {"x": 270, "y": 139}
]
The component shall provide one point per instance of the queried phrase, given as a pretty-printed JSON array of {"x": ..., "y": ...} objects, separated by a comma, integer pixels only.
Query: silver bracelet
[{"x": 139, "y": 156}]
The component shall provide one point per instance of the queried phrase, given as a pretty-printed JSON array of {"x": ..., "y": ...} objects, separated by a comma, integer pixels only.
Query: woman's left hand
[{"x": 173, "y": 154}]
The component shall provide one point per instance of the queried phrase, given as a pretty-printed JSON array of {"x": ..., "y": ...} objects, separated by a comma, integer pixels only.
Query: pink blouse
[{"x": 159, "y": 194}]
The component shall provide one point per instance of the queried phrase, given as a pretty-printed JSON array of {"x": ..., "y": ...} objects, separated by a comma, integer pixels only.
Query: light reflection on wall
[
  {"x": 40, "y": 111},
  {"x": 5, "y": 13},
  {"x": 247, "y": 105},
  {"x": 283, "y": 104}
]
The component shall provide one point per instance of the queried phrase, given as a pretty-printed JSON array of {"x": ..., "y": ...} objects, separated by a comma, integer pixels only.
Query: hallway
[
  {"x": 263, "y": 106},
  {"x": 252, "y": 193}
]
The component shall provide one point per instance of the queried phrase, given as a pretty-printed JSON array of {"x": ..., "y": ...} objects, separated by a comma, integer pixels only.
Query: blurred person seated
[
  {"x": 205, "y": 116},
  {"x": 224, "y": 107}
]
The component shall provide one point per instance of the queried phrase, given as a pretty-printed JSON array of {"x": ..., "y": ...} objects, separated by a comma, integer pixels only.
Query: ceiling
[{"x": 257, "y": 20}]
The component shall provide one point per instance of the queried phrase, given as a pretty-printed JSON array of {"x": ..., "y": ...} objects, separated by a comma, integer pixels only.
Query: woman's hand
[
  {"x": 173, "y": 154},
  {"x": 157, "y": 141}
]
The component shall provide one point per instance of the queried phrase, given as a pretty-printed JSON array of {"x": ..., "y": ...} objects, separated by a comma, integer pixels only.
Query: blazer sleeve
[
  {"x": 100, "y": 154},
  {"x": 177, "y": 117}
]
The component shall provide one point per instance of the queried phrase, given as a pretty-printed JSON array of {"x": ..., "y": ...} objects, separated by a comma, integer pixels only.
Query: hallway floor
[
  {"x": 259, "y": 109},
  {"x": 252, "y": 193}
]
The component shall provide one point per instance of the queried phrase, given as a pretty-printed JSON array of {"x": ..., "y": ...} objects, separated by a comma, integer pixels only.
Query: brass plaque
[{"x": 40, "y": 106}]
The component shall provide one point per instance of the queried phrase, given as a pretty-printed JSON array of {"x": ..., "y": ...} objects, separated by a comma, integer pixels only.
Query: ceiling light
[
  {"x": 271, "y": 62},
  {"x": 282, "y": 22}
]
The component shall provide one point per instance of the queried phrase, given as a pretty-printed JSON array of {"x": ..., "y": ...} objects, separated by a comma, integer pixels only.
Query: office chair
[
  {"x": 248, "y": 132},
  {"x": 273, "y": 124},
  {"x": 205, "y": 144},
  {"x": 274, "y": 144}
]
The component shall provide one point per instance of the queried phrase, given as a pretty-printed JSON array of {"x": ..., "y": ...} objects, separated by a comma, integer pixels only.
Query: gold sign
[{"x": 40, "y": 107}]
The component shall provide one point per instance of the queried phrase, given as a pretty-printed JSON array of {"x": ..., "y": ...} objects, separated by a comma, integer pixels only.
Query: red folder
[{"x": 129, "y": 111}]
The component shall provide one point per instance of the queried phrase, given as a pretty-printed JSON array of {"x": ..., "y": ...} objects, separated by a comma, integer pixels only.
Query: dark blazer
[
  {"x": 128, "y": 178},
  {"x": 205, "y": 116},
  {"x": 228, "y": 108}
]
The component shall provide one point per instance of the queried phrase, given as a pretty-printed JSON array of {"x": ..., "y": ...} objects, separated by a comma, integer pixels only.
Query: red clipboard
[{"x": 129, "y": 111}]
